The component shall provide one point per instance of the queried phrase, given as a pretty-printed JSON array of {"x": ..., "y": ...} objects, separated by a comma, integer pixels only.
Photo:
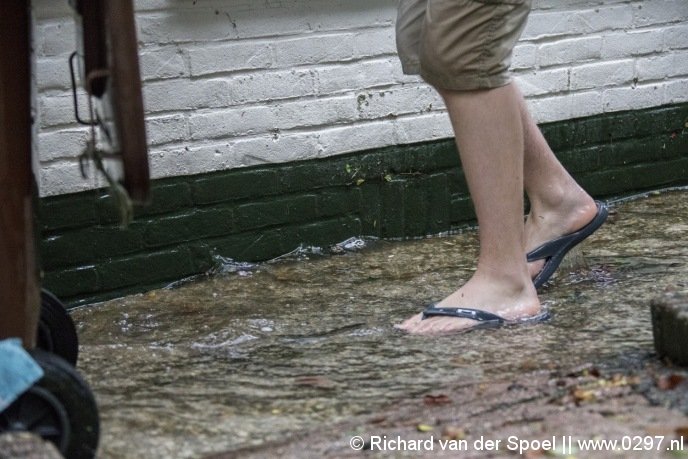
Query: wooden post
[{"x": 19, "y": 283}]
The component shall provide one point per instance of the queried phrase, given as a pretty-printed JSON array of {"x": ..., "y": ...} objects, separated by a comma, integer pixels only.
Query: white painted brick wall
[{"x": 233, "y": 83}]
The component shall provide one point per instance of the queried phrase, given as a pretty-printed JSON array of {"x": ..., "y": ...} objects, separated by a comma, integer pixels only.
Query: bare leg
[
  {"x": 489, "y": 134},
  {"x": 558, "y": 205}
]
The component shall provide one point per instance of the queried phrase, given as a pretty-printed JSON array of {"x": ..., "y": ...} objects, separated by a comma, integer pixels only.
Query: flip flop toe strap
[{"x": 463, "y": 313}]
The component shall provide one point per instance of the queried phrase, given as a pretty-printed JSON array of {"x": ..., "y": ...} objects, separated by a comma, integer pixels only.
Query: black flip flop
[
  {"x": 484, "y": 319},
  {"x": 553, "y": 252}
]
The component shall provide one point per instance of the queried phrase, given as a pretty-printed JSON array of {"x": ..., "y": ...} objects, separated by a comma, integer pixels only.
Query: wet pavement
[{"x": 254, "y": 356}]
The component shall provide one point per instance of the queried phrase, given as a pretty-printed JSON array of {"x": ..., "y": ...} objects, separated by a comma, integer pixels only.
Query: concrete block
[{"x": 670, "y": 326}]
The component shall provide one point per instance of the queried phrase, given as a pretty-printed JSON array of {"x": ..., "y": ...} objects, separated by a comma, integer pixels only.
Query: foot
[
  {"x": 510, "y": 298},
  {"x": 545, "y": 224}
]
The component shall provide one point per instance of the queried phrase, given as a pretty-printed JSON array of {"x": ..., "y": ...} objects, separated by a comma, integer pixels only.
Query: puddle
[{"x": 256, "y": 353}]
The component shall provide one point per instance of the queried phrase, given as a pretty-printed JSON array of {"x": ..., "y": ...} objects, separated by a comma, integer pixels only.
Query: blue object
[{"x": 18, "y": 371}]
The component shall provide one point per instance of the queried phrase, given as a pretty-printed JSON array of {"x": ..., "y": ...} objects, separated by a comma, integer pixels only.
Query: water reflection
[{"x": 256, "y": 352}]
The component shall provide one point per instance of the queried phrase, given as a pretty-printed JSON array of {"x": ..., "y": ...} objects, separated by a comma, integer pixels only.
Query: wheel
[
  {"x": 56, "y": 330},
  {"x": 60, "y": 408}
]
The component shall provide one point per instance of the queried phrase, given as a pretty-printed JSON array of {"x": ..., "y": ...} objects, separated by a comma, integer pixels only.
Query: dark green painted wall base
[{"x": 259, "y": 213}]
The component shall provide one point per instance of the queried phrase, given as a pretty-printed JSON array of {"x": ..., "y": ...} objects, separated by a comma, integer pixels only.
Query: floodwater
[{"x": 256, "y": 353}]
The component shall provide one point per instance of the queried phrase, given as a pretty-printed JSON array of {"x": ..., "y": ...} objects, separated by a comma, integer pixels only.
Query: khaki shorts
[{"x": 460, "y": 44}]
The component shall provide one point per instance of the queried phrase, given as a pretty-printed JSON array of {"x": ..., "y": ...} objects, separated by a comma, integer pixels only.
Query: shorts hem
[{"x": 467, "y": 82}]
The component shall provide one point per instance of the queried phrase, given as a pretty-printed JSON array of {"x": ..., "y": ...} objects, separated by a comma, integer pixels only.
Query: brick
[
  {"x": 192, "y": 25},
  {"x": 551, "y": 108},
  {"x": 659, "y": 174},
  {"x": 660, "y": 67},
  {"x": 340, "y": 201},
  {"x": 251, "y": 246},
  {"x": 67, "y": 283},
  {"x": 392, "y": 216},
  {"x": 397, "y": 102},
  {"x": 632, "y": 43},
  {"x": 90, "y": 244},
  {"x": 314, "y": 49},
  {"x": 370, "y": 208},
  {"x": 184, "y": 95},
  {"x": 167, "y": 198},
  {"x": 544, "y": 82},
  {"x": 65, "y": 177},
  {"x": 314, "y": 113},
  {"x": 67, "y": 211},
  {"x": 355, "y": 137},
  {"x": 676, "y": 91},
  {"x": 270, "y": 86},
  {"x": 570, "y": 50},
  {"x": 437, "y": 202},
  {"x": 234, "y": 122},
  {"x": 334, "y": 79},
  {"x": 611, "y": 73},
  {"x": 267, "y": 149},
  {"x": 52, "y": 73},
  {"x": 462, "y": 212},
  {"x": 314, "y": 175},
  {"x": 551, "y": 24},
  {"x": 235, "y": 185},
  {"x": 323, "y": 233},
  {"x": 145, "y": 269},
  {"x": 524, "y": 56},
  {"x": 183, "y": 160},
  {"x": 167, "y": 129},
  {"x": 658, "y": 12},
  {"x": 190, "y": 226},
  {"x": 58, "y": 110},
  {"x": 230, "y": 57},
  {"x": 676, "y": 37},
  {"x": 586, "y": 103},
  {"x": 371, "y": 43},
  {"x": 55, "y": 38},
  {"x": 275, "y": 212},
  {"x": 60, "y": 251},
  {"x": 63, "y": 143},
  {"x": 162, "y": 62},
  {"x": 630, "y": 98},
  {"x": 428, "y": 126}
]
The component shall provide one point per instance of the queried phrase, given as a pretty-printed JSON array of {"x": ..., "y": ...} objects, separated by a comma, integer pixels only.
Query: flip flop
[
  {"x": 484, "y": 319},
  {"x": 553, "y": 252}
]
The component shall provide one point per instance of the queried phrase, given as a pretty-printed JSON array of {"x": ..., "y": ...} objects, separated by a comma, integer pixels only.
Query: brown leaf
[
  {"x": 582, "y": 395},
  {"x": 682, "y": 431},
  {"x": 378, "y": 420},
  {"x": 453, "y": 433},
  {"x": 669, "y": 382},
  {"x": 439, "y": 399}
]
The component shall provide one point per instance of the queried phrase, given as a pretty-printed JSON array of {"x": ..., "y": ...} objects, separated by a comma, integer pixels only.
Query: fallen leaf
[
  {"x": 432, "y": 400},
  {"x": 424, "y": 428},
  {"x": 669, "y": 382},
  {"x": 453, "y": 433},
  {"x": 582, "y": 395}
]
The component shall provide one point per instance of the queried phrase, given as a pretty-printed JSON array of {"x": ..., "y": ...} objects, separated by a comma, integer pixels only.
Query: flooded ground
[{"x": 257, "y": 355}]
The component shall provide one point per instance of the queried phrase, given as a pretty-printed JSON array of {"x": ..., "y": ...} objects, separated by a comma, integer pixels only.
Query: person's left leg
[{"x": 489, "y": 134}]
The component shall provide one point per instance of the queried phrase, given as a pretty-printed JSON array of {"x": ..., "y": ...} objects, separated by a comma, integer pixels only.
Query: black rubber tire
[
  {"x": 60, "y": 408},
  {"x": 56, "y": 330}
]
